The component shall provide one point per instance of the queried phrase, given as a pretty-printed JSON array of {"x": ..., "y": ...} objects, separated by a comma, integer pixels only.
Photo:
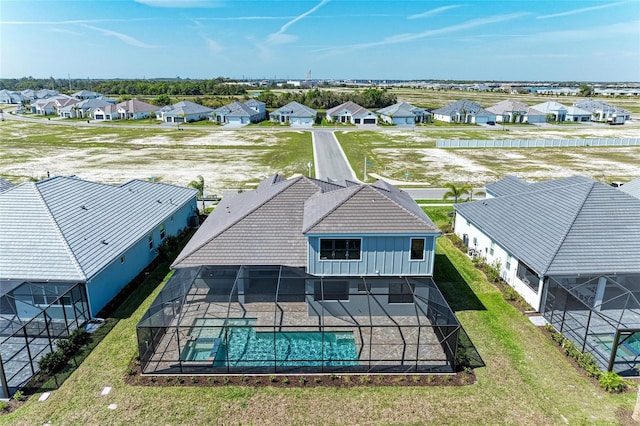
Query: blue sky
[{"x": 473, "y": 40}]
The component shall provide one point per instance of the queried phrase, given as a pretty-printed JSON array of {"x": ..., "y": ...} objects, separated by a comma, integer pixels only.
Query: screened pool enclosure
[
  {"x": 274, "y": 319},
  {"x": 33, "y": 316},
  {"x": 601, "y": 315}
]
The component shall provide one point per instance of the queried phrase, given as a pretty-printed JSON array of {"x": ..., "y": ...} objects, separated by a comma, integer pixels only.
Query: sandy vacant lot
[{"x": 240, "y": 158}]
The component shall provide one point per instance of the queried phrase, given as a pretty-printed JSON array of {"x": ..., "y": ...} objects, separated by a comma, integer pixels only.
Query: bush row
[
  {"x": 609, "y": 381},
  {"x": 65, "y": 349}
]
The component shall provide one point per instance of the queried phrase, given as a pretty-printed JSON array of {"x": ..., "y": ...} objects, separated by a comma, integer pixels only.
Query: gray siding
[{"x": 380, "y": 255}]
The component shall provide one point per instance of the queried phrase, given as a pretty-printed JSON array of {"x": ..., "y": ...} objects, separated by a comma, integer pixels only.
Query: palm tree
[
  {"x": 199, "y": 186},
  {"x": 456, "y": 192},
  {"x": 470, "y": 193}
]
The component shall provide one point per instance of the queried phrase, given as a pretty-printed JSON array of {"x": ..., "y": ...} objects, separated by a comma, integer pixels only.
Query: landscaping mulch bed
[{"x": 135, "y": 378}]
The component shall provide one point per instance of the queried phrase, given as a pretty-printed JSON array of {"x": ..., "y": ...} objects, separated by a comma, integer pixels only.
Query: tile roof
[
  {"x": 548, "y": 107},
  {"x": 65, "y": 228},
  {"x": 632, "y": 187},
  {"x": 593, "y": 105},
  {"x": 512, "y": 185},
  {"x": 266, "y": 226},
  {"x": 134, "y": 105},
  {"x": 5, "y": 184},
  {"x": 509, "y": 105},
  {"x": 573, "y": 227},
  {"x": 254, "y": 103},
  {"x": 572, "y": 110}
]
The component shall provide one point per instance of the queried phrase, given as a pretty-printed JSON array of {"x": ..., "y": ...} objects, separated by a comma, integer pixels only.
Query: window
[
  {"x": 417, "y": 249},
  {"x": 400, "y": 292},
  {"x": 339, "y": 249},
  {"x": 331, "y": 290},
  {"x": 493, "y": 246},
  {"x": 508, "y": 265},
  {"x": 475, "y": 241},
  {"x": 150, "y": 239},
  {"x": 528, "y": 276},
  {"x": 163, "y": 233}
]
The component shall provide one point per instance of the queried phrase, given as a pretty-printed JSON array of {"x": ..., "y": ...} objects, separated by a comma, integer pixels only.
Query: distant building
[
  {"x": 351, "y": 112},
  {"x": 294, "y": 114},
  {"x": 464, "y": 111},
  {"x": 404, "y": 113},
  {"x": 509, "y": 111}
]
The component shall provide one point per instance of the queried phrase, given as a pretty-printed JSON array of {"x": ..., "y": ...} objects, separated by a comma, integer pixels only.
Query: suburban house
[
  {"x": 52, "y": 105},
  {"x": 351, "y": 112},
  {"x": 577, "y": 115},
  {"x": 68, "y": 247},
  {"x": 240, "y": 112},
  {"x": 86, "y": 94},
  {"x": 554, "y": 111},
  {"x": 304, "y": 275},
  {"x": 404, "y": 113},
  {"x": 464, "y": 111},
  {"x": 11, "y": 97},
  {"x": 603, "y": 112},
  {"x": 106, "y": 112},
  {"x": 184, "y": 112},
  {"x": 509, "y": 111},
  {"x": 134, "y": 109},
  {"x": 294, "y": 114},
  {"x": 83, "y": 109},
  {"x": 570, "y": 248}
]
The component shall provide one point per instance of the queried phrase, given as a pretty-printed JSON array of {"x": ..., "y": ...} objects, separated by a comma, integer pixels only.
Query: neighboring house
[
  {"x": 577, "y": 115},
  {"x": 106, "y": 112},
  {"x": 294, "y": 114},
  {"x": 258, "y": 106},
  {"x": 82, "y": 109},
  {"x": 184, "y": 112},
  {"x": 86, "y": 94},
  {"x": 5, "y": 184},
  {"x": 509, "y": 111},
  {"x": 404, "y": 113},
  {"x": 570, "y": 248},
  {"x": 351, "y": 112},
  {"x": 238, "y": 112},
  {"x": 69, "y": 246},
  {"x": 632, "y": 187},
  {"x": 554, "y": 111},
  {"x": 11, "y": 97},
  {"x": 464, "y": 111},
  {"x": 306, "y": 261},
  {"x": 603, "y": 112},
  {"x": 134, "y": 109}
]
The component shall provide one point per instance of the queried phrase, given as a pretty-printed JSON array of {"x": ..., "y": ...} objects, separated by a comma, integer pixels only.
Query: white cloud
[
  {"x": 213, "y": 45},
  {"x": 433, "y": 12},
  {"x": 281, "y": 37},
  {"x": 122, "y": 37},
  {"x": 180, "y": 4},
  {"x": 581, "y": 10},
  {"x": 64, "y": 31}
]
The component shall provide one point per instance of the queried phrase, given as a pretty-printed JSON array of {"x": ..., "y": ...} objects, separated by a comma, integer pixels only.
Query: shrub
[
  {"x": 226, "y": 380},
  {"x": 80, "y": 337},
  {"x": 273, "y": 379},
  {"x": 285, "y": 380},
  {"x": 4, "y": 405},
  {"x": 493, "y": 272},
  {"x": 612, "y": 382},
  {"x": 51, "y": 362},
  {"x": 66, "y": 347},
  {"x": 302, "y": 380},
  {"x": 19, "y": 396},
  {"x": 180, "y": 380},
  {"x": 317, "y": 379},
  {"x": 194, "y": 380},
  {"x": 365, "y": 379}
]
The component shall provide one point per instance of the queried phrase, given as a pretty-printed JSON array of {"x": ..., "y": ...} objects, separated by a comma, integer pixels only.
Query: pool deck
[{"x": 381, "y": 341}]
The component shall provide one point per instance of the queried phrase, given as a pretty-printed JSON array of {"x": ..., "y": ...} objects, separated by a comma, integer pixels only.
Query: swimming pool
[
  {"x": 240, "y": 345},
  {"x": 200, "y": 349},
  {"x": 629, "y": 349}
]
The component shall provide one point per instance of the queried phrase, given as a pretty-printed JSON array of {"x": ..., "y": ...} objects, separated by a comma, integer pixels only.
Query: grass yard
[{"x": 526, "y": 380}]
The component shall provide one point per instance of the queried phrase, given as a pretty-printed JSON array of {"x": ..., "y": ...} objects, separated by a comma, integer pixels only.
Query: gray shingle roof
[
  {"x": 134, "y": 106},
  {"x": 471, "y": 108},
  {"x": 266, "y": 226},
  {"x": 254, "y": 103},
  {"x": 65, "y": 228},
  {"x": 549, "y": 107},
  {"x": 583, "y": 227},
  {"x": 236, "y": 109},
  {"x": 512, "y": 185},
  {"x": 402, "y": 109},
  {"x": 295, "y": 109},
  {"x": 187, "y": 108},
  {"x": 593, "y": 105},
  {"x": 509, "y": 105},
  {"x": 353, "y": 108}
]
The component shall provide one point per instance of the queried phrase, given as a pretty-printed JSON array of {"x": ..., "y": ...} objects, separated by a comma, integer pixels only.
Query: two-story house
[{"x": 304, "y": 275}]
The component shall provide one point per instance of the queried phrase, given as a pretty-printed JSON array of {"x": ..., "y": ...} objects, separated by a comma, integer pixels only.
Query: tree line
[
  {"x": 325, "y": 99},
  {"x": 216, "y": 86}
]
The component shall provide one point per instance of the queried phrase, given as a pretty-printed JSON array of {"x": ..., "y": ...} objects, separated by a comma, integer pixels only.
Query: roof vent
[
  {"x": 83, "y": 207},
  {"x": 159, "y": 201},
  {"x": 104, "y": 242}
]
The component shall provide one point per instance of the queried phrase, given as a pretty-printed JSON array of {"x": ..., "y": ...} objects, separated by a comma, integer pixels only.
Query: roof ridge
[
  {"x": 378, "y": 189},
  {"x": 320, "y": 219},
  {"x": 575, "y": 217},
  {"x": 59, "y": 232}
]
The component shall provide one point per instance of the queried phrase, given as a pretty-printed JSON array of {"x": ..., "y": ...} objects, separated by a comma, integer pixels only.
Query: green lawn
[{"x": 526, "y": 380}]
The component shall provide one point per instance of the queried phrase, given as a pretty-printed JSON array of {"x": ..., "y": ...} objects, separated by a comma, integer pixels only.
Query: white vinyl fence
[{"x": 533, "y": 143}]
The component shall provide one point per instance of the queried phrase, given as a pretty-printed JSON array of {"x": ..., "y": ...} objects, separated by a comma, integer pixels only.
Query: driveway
[{"x": 329, "y": 159}]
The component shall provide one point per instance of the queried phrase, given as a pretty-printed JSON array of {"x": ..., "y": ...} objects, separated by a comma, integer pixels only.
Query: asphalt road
[{"x": 329, "y": 159}]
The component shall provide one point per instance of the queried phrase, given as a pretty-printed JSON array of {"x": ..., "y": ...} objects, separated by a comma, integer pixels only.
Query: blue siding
[
  {"x": 380, "y": 256},
  {"x": 107, "y": 283}
]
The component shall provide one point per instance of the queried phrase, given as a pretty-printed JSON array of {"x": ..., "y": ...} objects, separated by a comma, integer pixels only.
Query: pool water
[
  {"x": 243, "y": 346},
  {"x": 629, "y": 349},
  {"x": 200, "y": 349}
]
